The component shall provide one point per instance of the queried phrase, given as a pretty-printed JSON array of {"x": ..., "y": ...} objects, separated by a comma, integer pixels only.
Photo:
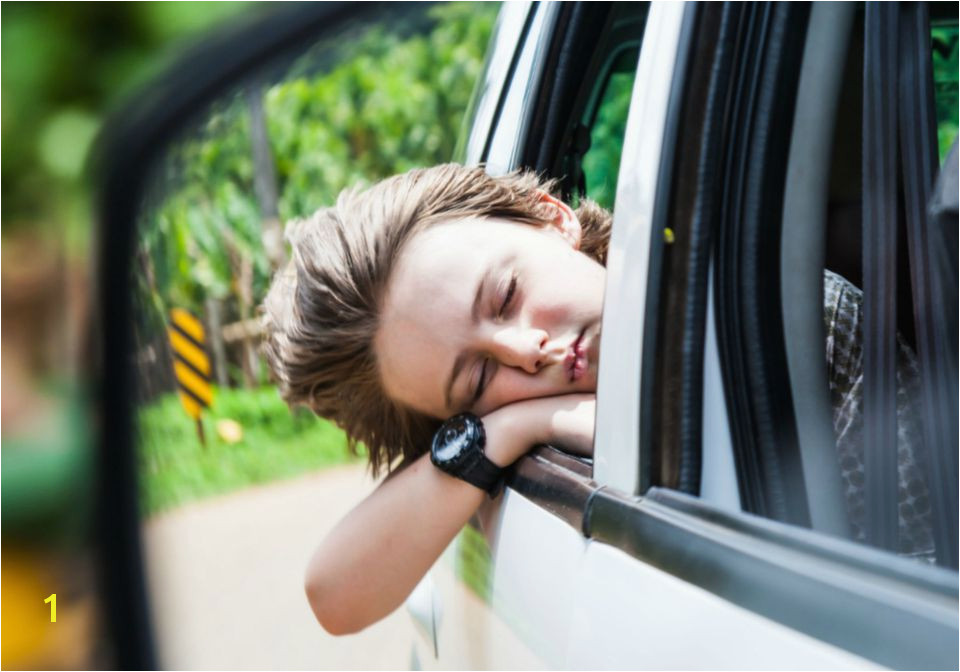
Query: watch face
[
  {"x": 455, "y": 438},
  {"x": 452, "y": 444}
]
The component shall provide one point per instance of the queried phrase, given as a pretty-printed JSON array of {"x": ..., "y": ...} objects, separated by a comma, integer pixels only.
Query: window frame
[
  {"x": 617, "y": 455},
  {"x": 803, "y": 258}
]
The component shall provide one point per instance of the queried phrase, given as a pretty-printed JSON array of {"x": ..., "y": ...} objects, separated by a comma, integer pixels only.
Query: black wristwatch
[{"x": 458, "y": 450}]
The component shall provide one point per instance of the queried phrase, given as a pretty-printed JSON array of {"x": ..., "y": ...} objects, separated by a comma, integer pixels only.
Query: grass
[{"x": 277, "y": 443}]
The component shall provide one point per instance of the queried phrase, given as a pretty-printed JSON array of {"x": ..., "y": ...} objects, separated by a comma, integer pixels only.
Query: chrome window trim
[
  {"x": 508, "y": 31},
  {"x": 617, "y": 439},
  {"x": 510, "y": 133}
]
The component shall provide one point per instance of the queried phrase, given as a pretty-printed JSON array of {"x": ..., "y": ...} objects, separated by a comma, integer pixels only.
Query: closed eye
[
  {"x": 511, "y": 289},
  {"x": 481, "y": 383},
  {"x": 484, "y": 379}
]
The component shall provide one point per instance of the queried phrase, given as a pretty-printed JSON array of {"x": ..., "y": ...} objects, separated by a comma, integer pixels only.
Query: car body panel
[
  {"x": 630, "y": 615},
  {"x": 464, "y": 631},
  {"x": 562, "y": 601}
]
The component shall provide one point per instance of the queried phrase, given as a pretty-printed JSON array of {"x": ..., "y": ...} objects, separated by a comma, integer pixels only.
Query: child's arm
[{"x": 376, "y": 555}]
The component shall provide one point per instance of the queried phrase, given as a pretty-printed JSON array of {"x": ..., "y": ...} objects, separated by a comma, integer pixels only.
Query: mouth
[{"x": 575, "y": 362}]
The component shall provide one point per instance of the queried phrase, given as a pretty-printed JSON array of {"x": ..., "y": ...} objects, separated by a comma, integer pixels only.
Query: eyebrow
[{"x": 461, "y": 359}]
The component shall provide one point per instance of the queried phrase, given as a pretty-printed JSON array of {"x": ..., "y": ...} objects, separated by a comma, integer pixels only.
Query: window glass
[
  {"x": 944, "y": 42},
  {"x": 777, "y": 458},
  {"x": 845, "y": 325},
  {"x": 601, "y": 163}
]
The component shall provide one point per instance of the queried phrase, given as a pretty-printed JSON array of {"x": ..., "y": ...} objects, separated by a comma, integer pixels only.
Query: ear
[{"x": 565, "y": 221}]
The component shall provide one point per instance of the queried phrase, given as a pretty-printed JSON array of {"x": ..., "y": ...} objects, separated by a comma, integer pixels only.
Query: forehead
[
  {"x": 443, "y": 249},
  {"x": 470, "y": 236},
  {"x": 450, "y": 256}
]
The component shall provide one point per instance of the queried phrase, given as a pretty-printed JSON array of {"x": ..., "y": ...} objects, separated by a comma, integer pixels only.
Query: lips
[{"x": 575, "y": 362}]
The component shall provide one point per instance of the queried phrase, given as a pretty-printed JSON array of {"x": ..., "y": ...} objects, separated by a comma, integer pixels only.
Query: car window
[
  {"x": 601, "y": 163},
  {"x": 943, "y": 35},
  {"x": 854, "y": 250},
  {"x": 849, "y": 278},
  {"x": 577, "y": 102},
  {"x": 789, "y": 218}
]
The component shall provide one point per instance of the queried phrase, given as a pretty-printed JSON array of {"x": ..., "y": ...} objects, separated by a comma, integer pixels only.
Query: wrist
[{"x": 503, "y": 438}]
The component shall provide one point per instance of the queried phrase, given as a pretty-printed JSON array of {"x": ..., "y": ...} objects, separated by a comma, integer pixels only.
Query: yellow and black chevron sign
[{"x": 190, "y": 362}]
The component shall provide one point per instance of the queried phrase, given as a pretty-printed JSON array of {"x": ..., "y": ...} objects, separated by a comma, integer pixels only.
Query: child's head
[{"x": 379, "y": 307}]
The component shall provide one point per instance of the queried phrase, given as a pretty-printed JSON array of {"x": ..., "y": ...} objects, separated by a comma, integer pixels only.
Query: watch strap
[{"x": 483, "y": 473}]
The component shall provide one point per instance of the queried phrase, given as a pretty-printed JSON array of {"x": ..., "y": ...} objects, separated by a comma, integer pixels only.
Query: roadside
[
  {"x": 225, "y": 577},
  {"x": 252, "y": 438}
]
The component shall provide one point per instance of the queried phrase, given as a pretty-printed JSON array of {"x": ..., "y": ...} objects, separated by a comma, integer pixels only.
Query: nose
[{"x": 526, "y": 349}]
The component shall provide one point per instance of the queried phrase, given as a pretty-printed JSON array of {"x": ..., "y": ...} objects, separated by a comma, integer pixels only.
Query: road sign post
[{"x": 191, "y": 365}]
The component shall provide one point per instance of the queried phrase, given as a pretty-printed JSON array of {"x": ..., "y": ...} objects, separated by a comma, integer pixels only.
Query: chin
[{"x": 586, "y": 384}]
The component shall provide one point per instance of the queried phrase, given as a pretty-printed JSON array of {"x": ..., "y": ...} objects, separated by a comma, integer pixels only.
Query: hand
[
  {"x": 566, "y": 421},
  {"x": 572, "y": 423}
]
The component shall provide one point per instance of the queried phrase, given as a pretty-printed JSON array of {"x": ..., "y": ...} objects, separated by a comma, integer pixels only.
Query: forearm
[{"x": 376, "y": 555}]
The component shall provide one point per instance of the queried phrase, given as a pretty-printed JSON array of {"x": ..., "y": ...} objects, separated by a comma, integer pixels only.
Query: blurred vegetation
[
  {"x": 601, "y": 163},
  {"x": 945, "y": 67},
  {"x": 176, "y": 468},
  {"x": 473, "y": 562},
  {"x": 64, "y": 66}
]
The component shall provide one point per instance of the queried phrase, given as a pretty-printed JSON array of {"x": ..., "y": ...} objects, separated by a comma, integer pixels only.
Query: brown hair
[{"x": 322, "y": 311}]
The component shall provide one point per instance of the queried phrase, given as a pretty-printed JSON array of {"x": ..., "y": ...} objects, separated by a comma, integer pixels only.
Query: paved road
[{"x": 226, "y": 581}]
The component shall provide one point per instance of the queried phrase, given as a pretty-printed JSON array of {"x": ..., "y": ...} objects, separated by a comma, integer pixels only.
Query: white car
[{"x": 711, "y": 528}]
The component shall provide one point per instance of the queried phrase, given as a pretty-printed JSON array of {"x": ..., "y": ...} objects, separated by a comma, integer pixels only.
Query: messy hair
[{"x": 322, "y": 311}]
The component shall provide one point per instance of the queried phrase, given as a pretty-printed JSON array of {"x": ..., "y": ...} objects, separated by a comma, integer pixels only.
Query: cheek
[
  {"x": 562, "y": 302},
  {"x": 567, "y": 289}
]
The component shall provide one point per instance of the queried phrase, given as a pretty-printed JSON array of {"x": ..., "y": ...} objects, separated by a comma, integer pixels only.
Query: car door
[{"x": 710, "y": 528}]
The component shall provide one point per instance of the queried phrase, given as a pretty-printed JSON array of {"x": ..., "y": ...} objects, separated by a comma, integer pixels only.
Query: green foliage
[
  {"x": 209, "y": 214},
  {"x": 394, "y": 106},
  {"x": 64, "y": 66},
  {"x": 601, "y": 163},
  {"x": 393, "y": 100},
  {"x": 945, "y": 66},
  {"x": 277, "y": 443}
]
